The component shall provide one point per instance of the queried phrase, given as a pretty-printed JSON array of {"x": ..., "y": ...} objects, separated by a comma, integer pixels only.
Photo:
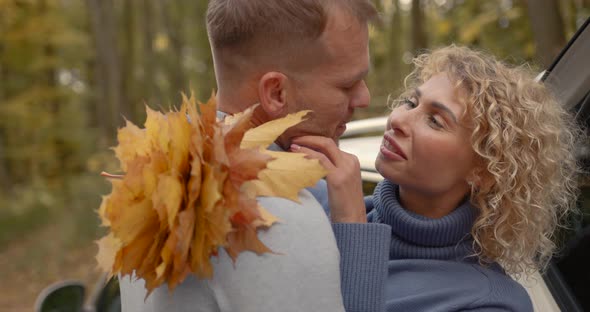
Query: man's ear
[{"x": 272, "y": 93}]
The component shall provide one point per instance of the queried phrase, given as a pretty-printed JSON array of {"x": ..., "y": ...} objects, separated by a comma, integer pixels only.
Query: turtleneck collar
[{"x": 418, "y": 237}]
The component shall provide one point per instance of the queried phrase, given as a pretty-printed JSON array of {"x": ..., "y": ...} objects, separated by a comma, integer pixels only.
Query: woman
[{"x": 479, "y": 172}]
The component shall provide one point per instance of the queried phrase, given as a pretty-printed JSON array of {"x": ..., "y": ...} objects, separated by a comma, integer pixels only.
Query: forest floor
[
  {"x": 34, "y": 262},
  {"x": 50, "y": 243}
]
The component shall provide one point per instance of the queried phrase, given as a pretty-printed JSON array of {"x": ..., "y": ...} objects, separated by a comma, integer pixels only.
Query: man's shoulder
[
  {"x": 304, "y": 262},
  {"x": 300, "y": 222},
  {"x": 301, "y": 273},
  {"x": 192, "y": 295},
  {"x": 306, "y": 208}
]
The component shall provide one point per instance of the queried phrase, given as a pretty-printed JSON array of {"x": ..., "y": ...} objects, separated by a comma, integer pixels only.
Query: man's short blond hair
[{"x": 235, "y": 23}]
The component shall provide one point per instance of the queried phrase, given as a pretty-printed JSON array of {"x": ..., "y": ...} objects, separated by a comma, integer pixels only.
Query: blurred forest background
[{"x": 71, "y": 71}]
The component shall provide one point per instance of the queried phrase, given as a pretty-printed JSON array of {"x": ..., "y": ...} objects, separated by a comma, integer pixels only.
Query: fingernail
[{"x": 295, "y": 147}]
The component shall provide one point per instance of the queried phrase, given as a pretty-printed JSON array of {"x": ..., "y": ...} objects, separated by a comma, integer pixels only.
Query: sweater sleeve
[{"x": 364, "y": 251}]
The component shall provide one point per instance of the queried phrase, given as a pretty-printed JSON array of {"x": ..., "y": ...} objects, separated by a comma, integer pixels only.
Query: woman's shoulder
[
  {"x": 454, "y": 285},
  {"x": 503, "y": 290}
]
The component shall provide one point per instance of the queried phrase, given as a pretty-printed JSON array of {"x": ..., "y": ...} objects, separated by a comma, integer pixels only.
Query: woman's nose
[{"x": 399, "y": 120}]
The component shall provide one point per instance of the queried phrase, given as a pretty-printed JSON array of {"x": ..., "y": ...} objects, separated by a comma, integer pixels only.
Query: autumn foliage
[{"x": 189, "y": 187}]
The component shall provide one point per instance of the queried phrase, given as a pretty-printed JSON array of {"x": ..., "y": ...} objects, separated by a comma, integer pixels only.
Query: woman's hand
[{"x": 345, "y": 191}]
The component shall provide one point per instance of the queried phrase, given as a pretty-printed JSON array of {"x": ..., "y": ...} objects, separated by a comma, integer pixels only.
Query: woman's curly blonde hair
[{"x": 524, "y": 141}]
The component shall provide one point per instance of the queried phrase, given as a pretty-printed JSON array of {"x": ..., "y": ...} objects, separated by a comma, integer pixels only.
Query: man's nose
[{"x": 361, "y": 96}]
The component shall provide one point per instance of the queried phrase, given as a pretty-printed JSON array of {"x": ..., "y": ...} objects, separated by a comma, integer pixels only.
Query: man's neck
[
  {"x": 232, "y": 103},
  {"x": 234, "y": 97}
]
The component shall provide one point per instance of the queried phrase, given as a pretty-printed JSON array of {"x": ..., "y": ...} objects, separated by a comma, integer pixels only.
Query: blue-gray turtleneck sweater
[{"x": 429, "y": 264}]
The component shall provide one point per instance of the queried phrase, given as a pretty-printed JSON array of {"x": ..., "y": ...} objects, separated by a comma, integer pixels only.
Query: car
[
  {"x": 565, "y": 285},
  {"x": 71, "y": 295}
]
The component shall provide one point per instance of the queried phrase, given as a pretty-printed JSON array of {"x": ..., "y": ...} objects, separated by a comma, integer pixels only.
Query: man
[{"x": 288, "y": 56}]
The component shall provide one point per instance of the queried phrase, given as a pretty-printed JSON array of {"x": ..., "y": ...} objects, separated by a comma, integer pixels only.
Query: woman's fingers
[
  {"x": 344, "y": 179},
  {"x": 323, "y": 159},
  {"x": 322, "y": 145},
  {"x": 329, "y": 155}
]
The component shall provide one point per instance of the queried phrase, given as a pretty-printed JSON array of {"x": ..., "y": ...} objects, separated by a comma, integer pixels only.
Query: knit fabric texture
[{"x": 432, "y": 264}]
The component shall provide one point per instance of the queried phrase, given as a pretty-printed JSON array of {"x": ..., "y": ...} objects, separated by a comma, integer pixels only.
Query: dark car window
[
  {"x": 572, "y": 262},
  {"x": 568, "y": 277}
]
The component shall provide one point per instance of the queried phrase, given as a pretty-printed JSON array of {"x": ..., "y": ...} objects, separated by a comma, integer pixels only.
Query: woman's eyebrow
[{"x": 438, "y": 105}]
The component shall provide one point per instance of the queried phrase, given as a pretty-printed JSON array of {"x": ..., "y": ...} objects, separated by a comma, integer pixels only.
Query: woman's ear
[
  {"x": 272, "y": 93},
  {"x": 474, "y": 178}
]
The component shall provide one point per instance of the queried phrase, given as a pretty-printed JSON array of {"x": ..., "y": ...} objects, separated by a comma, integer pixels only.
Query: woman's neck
[{"x": 433, "y": 206}]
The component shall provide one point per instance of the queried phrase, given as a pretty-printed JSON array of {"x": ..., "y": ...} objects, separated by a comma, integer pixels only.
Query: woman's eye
[
  {"x": 435, "y": 123},
  {"x": 409, "y": 103}
]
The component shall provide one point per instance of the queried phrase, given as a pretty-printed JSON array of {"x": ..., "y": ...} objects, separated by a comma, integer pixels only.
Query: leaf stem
[{"x": 112, "y": 176}]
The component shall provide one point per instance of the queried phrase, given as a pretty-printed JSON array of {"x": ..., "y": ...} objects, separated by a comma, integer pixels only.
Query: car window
[
  {"x": 569, "y": 78},
  {"x": 573, "y": 260}
]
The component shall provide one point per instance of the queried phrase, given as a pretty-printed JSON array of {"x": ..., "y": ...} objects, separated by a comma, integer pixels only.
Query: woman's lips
[{"x": 391, "y": 149}]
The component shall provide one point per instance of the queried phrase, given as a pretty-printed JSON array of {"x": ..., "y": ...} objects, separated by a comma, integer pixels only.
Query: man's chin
[
  {"x": 339, "y": 132},
  {"x": 284, "y": 141}
]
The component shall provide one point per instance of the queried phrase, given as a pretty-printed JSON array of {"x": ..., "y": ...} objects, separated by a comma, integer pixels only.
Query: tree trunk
[
  {"x": 129, "y": 95},
  {"x": 2, "y": 85},
  {"x": 102, "y": 15},
  {"x": 173, "y": 21},
  {"x": 205, "y": 77},
  {"x": 547, "y": 26},
  {"x": 395, "y": 44},
  {"x": 149, "y": 61},
  {"x": 419, "y": 39},
  {"x": 5, "y": 182},
  {"x": 4, "y": 178},
  {"x": 48, "y": 78}
]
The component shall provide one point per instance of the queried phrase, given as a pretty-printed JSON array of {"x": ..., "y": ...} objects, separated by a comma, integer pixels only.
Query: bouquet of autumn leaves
[{"x": 189, "y": 187}]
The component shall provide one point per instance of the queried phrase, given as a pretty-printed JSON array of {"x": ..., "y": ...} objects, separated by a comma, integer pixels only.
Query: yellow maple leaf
[
  {"x": 286, "y": 175},
  {"x": 168, "y": 197},
  {"x": 107, "y": 249},
  {"x": 230, "y": 120},
  {"x": 133, "y": 254},
  {"x": 184, "y": 230},
  {"x": 133, "y": 143},
  {"x": 102, "y": 211},
  {"x": 265, "y": 134},
  {"x": 179, "y": 130},
  {"x": 156, "y": 129},
  {"x": 245, "y": 240},
  {"x": 233, "y": 132},
  {"x": 266, "y": 218}
]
